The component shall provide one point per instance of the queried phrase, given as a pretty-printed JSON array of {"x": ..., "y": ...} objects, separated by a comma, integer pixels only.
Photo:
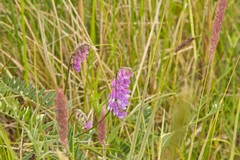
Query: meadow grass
[{"x": 182, "y": 105}]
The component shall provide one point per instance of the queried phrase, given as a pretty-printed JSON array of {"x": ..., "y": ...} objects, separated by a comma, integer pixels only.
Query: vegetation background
[{"x": 183, "y": 106}]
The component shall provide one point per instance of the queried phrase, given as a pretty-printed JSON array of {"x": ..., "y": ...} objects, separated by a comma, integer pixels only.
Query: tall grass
[{"x": 182, "y": 106}]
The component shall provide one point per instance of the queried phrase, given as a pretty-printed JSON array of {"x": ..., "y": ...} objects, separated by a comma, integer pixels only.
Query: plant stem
[{"x": 67, "y": 74}]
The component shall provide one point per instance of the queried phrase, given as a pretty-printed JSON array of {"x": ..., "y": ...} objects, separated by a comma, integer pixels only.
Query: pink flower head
[
  {"x": 118, "y": 98},
  {"x": 79, "y": 55}
]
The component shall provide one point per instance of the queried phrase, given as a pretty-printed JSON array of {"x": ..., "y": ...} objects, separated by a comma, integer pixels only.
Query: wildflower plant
[
  {"x": 118, "y": 98},
  {"x": 79, "y": 55}
]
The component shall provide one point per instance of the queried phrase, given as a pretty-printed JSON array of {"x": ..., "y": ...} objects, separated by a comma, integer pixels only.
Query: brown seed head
[
  {"x": 62, "y": 117},
  {"x": 217, "y": 25},
  {"x": 102, "y": 130}
]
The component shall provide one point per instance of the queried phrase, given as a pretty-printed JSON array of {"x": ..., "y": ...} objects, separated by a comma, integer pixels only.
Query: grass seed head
[{"x": 62, "y": 117}]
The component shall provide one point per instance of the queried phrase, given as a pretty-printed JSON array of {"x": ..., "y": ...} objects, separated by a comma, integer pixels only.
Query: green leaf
[
  {"x": 22, "y": 85},
  {"x": 27, "y": 89},
  {"x": 113, "y": 134},
  {"x": 47, "y": 96},
  {"x": 32, "y": 92}
]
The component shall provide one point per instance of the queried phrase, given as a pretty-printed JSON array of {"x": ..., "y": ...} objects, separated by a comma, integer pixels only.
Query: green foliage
[
  {"x": 5, "y": 146},
  {"x": 32, "y": 94}
]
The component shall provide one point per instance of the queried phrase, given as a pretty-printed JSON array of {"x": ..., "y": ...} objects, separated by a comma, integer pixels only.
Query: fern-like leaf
[{"x": 14, "y": 85}]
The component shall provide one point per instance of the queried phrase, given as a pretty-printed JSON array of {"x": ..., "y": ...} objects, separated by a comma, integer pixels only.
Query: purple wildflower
[
  {"x": 88, "y": 125},
  {"x": 118, "y": 99},
  {"x": 79, "y": 55}
]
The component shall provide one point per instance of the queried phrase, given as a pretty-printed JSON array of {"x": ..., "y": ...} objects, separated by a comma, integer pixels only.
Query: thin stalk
[
  {"x": 198, "y": 113},
  {"x": 235, "y": 132},
  {"x": 160, "y": 138},
  {"x": 67, "y": 74},
  {"x": 137, "y": 125},
  {"x": 151, "y": 121},
  {"x": 221, "y": 101},
  {"x": 25, "y": 57}
]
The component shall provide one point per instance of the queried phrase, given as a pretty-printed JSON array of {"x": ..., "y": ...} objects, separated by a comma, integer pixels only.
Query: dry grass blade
[{"x": 185, "y": 43}]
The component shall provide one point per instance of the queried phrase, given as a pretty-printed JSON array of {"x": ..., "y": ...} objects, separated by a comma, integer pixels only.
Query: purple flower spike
[
  {"x": 118, "y": 99},
  {"x": 88, "y": 125},
  {"x": 79, "y": 55}
]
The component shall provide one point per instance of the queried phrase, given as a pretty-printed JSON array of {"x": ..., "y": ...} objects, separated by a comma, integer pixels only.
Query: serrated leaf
[
  {"x": 22, "y": 85},
  {"x": 47, "y": 96},
  {"x": 50, "y": 102},
  {"x": 39, "y": 94},
  {"x": 16, "y": 83},
  {"x": 12, "y": 82},
  {"x": 27, "y": 89},
  {"x": 32, "y": 92}
]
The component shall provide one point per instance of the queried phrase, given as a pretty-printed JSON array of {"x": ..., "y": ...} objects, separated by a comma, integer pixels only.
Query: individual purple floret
[
  {"x": 88, "y": 125},
  {"x": 118, "y": 98},
  {"x": 79, "y": 55}
]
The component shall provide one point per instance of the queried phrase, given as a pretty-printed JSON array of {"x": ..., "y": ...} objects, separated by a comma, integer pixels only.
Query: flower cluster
[
  {"x": 118, "y": 98},
  {"x": 82, "y": 119},
  {"x": 88, "y": 125},
  {"x": 79, "y": 55}
]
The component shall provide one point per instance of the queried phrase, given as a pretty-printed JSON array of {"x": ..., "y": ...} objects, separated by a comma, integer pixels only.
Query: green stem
[
  {"x": 25, "y": 56},
  {"x": 67, "y": 74}
]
